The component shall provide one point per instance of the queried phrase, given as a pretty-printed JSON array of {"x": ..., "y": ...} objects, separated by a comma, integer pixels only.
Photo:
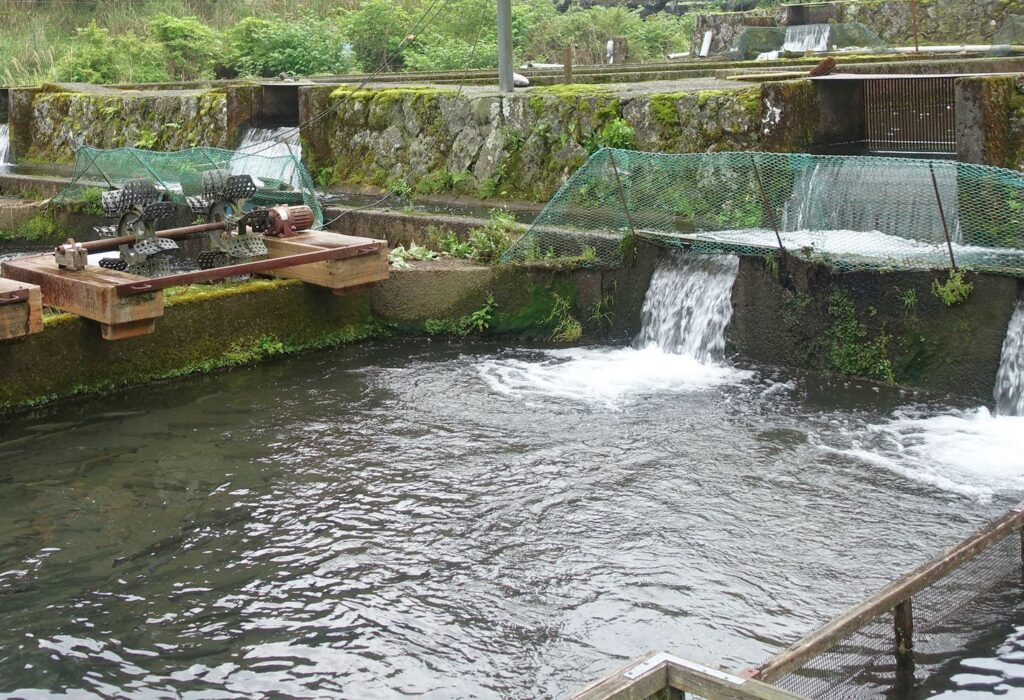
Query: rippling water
[{"x": 458, "y": 521}]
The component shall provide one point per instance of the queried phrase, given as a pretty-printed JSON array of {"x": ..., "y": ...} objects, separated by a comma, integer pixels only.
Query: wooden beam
[
  {"x": 90, "y": 293},
  {"x": 21, "y": 309},
  {"x": 332, "y": 274},
  {"x": 889, "y": 597},
  {"x": 657, "y": 671}
]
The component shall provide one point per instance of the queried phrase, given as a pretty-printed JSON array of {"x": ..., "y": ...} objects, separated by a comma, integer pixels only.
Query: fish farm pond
[{"x": 471, "y": 519}]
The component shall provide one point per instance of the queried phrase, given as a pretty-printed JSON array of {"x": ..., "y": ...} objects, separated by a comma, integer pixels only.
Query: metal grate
[{"x": 912, "y": 115}]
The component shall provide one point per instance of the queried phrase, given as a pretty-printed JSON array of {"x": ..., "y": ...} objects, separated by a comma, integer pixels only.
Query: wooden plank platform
[
  {"x": 90, "y": 293},
  {"x": 21, "y": 309},
  {"x": 335, "y": 275}
]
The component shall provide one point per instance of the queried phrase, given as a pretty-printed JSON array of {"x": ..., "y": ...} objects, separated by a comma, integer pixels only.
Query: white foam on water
[
  {"x": 604, "y": 375},
  {"x": 875, "y": 246},
  {"x": 972, "y": 452},
  {"x": 680, "y": 347}
]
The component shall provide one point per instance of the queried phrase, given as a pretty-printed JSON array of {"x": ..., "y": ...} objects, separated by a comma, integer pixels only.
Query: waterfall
[
  {"x": 807, "y": 37},
  {"x": 5, "y": 144},
  {"x": 257, "y": 155},
  {"x": 1009, "y": 389},
  {"x": 859, "y": 196},
  {"x": 689, "y": 305}
]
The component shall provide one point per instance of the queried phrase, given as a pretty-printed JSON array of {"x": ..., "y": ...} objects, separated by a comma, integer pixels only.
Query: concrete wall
[
  {"x": 206, "y": 327},
  {"x": 859, "y": 324},
  {"x": 526, "y": 144}
]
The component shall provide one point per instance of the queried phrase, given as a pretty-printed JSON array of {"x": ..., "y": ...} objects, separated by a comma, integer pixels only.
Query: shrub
[
  {"x": 191, "y": 47},
  {"x": 376, "y": 31},
  {"x": 96, "y": 57},
  {"x": 268, "y": 47}
]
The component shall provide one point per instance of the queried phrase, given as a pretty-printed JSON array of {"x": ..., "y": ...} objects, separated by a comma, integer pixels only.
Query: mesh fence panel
[
  {"x": 850, "y": 212},
  {"x": 946, "y": 616},
  {"x": 280, "y": 179}
]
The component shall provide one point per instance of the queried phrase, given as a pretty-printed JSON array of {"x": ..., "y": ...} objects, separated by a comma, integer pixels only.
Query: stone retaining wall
[
  {"x": 50, "y": 123},
  {"x": 524, "y": 145}
]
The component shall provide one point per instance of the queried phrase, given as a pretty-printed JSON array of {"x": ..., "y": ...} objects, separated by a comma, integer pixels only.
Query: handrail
[
  {"x": 657, "y": 671},
  {"x": 893, "y": 595}
]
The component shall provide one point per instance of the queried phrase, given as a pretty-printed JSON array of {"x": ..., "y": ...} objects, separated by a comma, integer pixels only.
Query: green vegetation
[
  {"x": 954, "y": 290},
  {"x": 478, "y": 321},
  {"x": 110, "y": 41},
  {"x": 566, "y": 328},
  {"x": 615, "y": 134},
  {"x": 485, "y": 244},
  {"x": 400, "y": 256},
  {"x": 850, "y": 351}
]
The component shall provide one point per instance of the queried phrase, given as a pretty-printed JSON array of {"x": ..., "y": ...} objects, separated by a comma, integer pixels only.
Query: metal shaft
[
  {"x": 505, "y": 80},
  {"x": 106, "y": 244}
]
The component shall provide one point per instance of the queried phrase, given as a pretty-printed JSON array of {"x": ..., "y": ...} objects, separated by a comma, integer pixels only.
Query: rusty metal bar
[
  {"x": 768, "y": 207},
  {"x": 155, "y": 284},
  {"x": 15, "y": 296},
  {"x": 107, "y": 244},
  {"x": 942, "y": 215},
  {"x": 622, "y": 197}
]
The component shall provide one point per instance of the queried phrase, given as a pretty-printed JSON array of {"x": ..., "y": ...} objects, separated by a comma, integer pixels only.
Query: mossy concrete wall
[
  {"x": 48, "y": 124},
  {"x": 990, "y": 120},
  {"x": 525, "y": 145},
  {"x": 205, "y": 328},
  {"x": 884, "y": 326}
]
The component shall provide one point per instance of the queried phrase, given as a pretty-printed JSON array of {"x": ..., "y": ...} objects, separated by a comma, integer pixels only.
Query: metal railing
[{"x": 880, "y": 632}]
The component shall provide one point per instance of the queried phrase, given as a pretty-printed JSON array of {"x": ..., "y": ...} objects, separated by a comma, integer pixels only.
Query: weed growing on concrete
[
  {"x": 490, "y": 241},
  {"x": 400, "y": 256},
  {"x": 480, "y": 320},
  {"x": 850, "y": 351},
  {"x": 954, "y": 290},
  {"x": 566, "y": 328},
  {"x": 907, "y": 297},
  {"x": 447, "y": 242}
]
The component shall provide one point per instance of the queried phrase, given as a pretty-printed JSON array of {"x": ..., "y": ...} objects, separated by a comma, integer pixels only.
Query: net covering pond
[
  {"x": 280, "y": 179},
  {"x": 850, "y": 212}
]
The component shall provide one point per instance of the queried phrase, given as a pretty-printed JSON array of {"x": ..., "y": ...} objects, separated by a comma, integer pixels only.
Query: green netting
[
  {"x": 280, "y": 179},
  {"x": 850, "y": 212}
]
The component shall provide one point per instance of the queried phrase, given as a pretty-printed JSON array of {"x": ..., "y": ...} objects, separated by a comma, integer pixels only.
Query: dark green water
[{"x": 448, "y": 521}]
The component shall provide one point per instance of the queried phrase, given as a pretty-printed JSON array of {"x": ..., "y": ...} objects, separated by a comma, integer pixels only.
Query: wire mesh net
[
  {"x": 849, "y": 212},
  {"x": 279, "y": 179},
  {"x": 977, "y": 597}
]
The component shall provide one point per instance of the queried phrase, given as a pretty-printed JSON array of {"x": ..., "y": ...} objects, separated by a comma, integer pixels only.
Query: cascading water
[
  {"x": 802, "y": 38},
  {"x": 680, "y": 346},
  {"x": 268, "y": 143},
  {"x": 860, "y": 198},
  {"x": 689, "y": 305},
  {"x": 5, "y": 144},
  {"x": 1009, "y": 389}
]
